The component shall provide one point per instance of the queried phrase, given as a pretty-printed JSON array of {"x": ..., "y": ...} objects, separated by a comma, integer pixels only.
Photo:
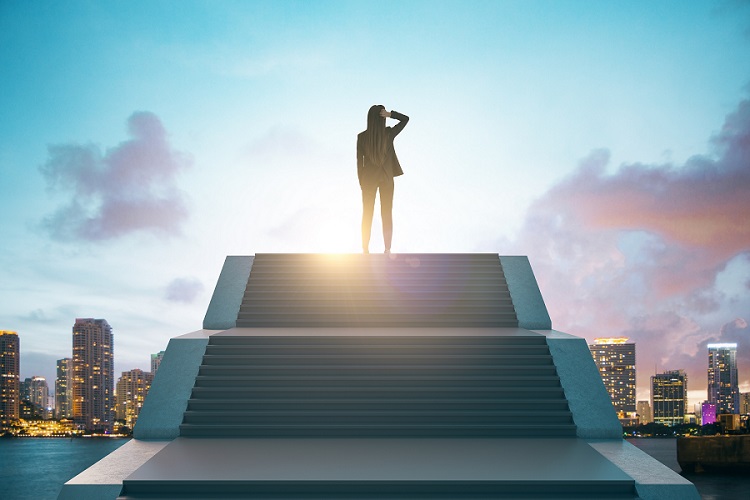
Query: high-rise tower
[
  {"x": 63, "y": 388},
  {"x": 9, "y": 376},
  {"x": 615, "y": 358},
  {"x": 723, "y": 388},
  {"x": 132, "y": 389},
  {"x": 93, "y": 374},
  {"x": 156, "y": 361},
  {"x": 669, "y": 397}
]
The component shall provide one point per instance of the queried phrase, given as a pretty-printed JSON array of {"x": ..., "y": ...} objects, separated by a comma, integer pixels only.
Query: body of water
[
  {"x": 36, "y": 469},
  {"x": 710, "y": 486}
]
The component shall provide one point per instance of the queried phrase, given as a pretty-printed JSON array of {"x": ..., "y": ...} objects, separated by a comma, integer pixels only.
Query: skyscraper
[
  {"x": 156, "y": 361},
  {"x": 745, "y": 403},
  {"x": 669, "y": 397},
  {"x": 10, "y": 361},
  {"x": 723, "y": 388},
  {"x": 63, "y": 388},
  {"x": 93, "y": 374},
  {"x": 615, "y": 358},
  {"x": 643, "y": 409},
  {"x": 37, "y": 393},
  {"x": 708, "y": 413},
  {"x": 132, "y": 389}
]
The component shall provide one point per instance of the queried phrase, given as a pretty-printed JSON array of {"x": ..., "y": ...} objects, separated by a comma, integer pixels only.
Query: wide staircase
[
  {"x": 369, "y": 377},
  {"x": 451, "y": 386},
  {"x": 427, "y": 290}
]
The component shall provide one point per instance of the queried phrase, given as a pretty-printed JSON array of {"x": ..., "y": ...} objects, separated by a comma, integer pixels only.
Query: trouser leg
[
  {"x": 386, "y": 211},
  {"x": 368, "y": 208}
]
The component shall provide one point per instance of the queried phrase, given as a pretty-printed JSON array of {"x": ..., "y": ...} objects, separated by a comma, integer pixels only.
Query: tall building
[
  {"x": 156, "y": 361},
  {"x": 36, "y": 392},
  {"x": 745, "y": 403},
  {"x": 63, "y": 388},
  {"x": 10, "y": 369},
  {"x": 707, "y": 413},
  {"x": 93, "y": 402},
  {"x": 669, "y": 397},
  {"x": 723, "y": 388},
  {"x": 615, "y": 358},
  {"x": 643, "y": 409},
  {"x": 132, "y": 389}
]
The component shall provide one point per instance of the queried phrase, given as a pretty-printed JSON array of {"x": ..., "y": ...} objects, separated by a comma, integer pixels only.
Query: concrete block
[
  {"x": 527, "y": 299},
  {"x": 588, "y": 399},
  {"x": 653, "y": 480},
  {"x": 103, "y": 480},
  {"x": 162, "y": 412},
  {"x": 227, "y": 298}
]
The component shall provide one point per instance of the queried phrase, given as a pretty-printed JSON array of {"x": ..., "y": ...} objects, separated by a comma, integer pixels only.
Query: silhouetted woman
[{"x": 377, "y": 165}]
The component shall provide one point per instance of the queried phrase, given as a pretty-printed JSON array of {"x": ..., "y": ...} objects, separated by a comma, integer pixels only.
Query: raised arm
[{"x": 402, "y": 121}]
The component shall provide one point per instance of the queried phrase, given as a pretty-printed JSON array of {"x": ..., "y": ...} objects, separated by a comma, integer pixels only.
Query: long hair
[{"x": 375, "y": 139}]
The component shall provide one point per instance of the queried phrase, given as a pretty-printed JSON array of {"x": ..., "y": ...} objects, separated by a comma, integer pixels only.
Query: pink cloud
[
  {"x": 637, "y": 252},
  {"x": 130, "y": 187}
]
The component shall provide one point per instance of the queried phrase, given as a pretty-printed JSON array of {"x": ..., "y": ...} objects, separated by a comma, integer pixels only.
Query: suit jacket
[{"x": 367, "y": 171}]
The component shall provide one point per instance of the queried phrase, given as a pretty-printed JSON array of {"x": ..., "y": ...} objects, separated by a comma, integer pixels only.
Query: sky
[{"x": 142, "y": 142}]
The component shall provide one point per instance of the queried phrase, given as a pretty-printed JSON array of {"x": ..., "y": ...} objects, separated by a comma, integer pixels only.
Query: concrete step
[
  {"x": 369, "y": 429},
  {"x": 379, "y": 350},
  {"x": 363, "y": 360},
  {"x": 457, "y": 338},
  {"x": 424, "y": 417},
  {"x": 377, "y": 380},
  {"x": 433, "y": 392},
  {"x": 529, "y": 406},
  {"x": 377, "y": 469},
  {"x": 347, "y": 371}
]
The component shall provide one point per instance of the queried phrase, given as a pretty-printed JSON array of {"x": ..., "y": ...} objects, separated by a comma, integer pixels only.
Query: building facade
[
  {"x": 745, "y": 403},
  {"x": 669, "y": 397},
  {"x": 63, "y": 388},
  {"x": 36, "y": 391},
  {"x": 643, "y": 409},
  {"x": 93, "y": 401},
  {"x": 132, "y": 389},
  {"x": 156, "y": 361},
  {"x": 615, "y": 358},
  {"x": 723, "y": 386},
  {"x": 708, "y": 413},
  {"x": 10, "y": 370}
]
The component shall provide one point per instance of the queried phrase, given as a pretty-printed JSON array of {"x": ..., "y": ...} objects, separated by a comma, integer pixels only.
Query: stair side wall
[
  {"x": 227, "y": 298},
  {"x": 587, "y": 397},
  {"x": 165, "y": 405},
  {"x": 524, "y": 291}
]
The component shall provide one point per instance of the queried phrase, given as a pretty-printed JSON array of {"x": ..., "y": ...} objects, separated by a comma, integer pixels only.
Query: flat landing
[
  {"x": 551, "y": 461},
  {"x": 390, "y": 331}
]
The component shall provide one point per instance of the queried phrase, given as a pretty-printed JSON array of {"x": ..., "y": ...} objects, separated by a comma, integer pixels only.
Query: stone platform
[{"x": 405, "y": 376}]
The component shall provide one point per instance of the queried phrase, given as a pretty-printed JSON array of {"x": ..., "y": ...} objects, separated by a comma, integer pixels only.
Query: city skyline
[{"x": 142, "y": 144}]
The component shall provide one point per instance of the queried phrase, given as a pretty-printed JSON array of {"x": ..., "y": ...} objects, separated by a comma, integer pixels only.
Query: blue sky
[{"x": 142, "y": 142}]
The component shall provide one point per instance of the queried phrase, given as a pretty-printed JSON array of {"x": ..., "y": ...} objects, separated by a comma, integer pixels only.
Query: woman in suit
[{"x": 377, "y": 165}]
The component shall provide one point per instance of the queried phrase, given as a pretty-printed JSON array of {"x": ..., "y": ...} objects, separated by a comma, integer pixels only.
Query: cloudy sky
[{"x": 142, "y": 142}]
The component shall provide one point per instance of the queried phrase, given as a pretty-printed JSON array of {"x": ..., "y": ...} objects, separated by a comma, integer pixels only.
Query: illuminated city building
[
  {"x": 132, "y": 389},
  {"x": 156, "y": 361},
  {"x": 10, "y": 361},
  {"x": 745, "y": 403},
  {"x": 723, "y": 388},
  {"x": 669, "y": 397},
  {"x": 708, "y": 413},
  {"x": 36, "y": 391},
  {"x": 93, "y": 374},
  {"x": 643, "y": 409},
  {"x": 63, "y": 387},
  {"x": 615, "y": 358}
]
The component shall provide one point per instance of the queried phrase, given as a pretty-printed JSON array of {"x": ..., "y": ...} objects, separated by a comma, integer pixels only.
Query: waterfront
[{"x": 36, "y": 468}]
